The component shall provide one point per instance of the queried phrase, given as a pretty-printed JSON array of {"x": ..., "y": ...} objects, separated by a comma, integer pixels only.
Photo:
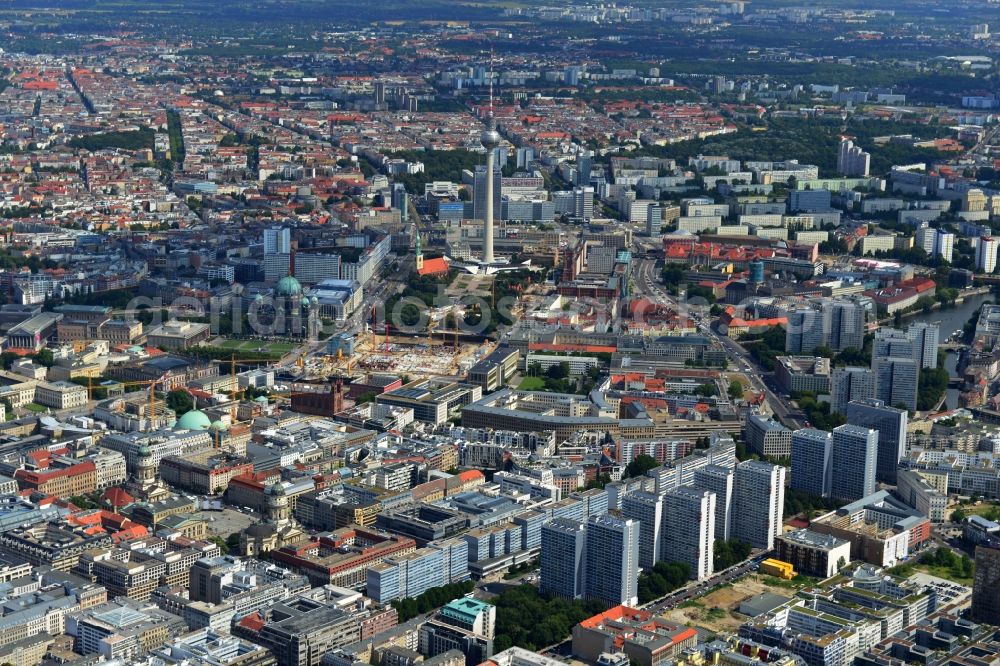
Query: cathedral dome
[
  {"x": 288, "y": 286},
  {"x": 193, "y": 420}
]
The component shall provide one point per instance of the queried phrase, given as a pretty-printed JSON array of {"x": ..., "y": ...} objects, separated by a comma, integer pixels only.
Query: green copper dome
[
  {"x": 193, "y": 420},
  {"x": 288, "y": 286}
]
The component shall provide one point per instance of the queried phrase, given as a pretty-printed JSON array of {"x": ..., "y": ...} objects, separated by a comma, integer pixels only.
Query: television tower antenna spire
[{"x": 490, "y": 116}]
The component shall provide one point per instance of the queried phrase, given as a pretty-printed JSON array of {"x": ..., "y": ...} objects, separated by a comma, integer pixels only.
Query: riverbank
[
  {"x": 949, "y": 320},
  {"x": 959, "y": 301}
]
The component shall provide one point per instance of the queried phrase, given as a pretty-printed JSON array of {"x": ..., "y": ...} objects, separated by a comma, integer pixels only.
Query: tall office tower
[
  {"x": 584, "y": 163},
  {"x": 891, "y": 342},
  {"x": 890, "y": 423},
  {"x": 925, "y": 338},
  {"x": 848, "y": 384},
  {"x": 758, "y": 502},
  {"x": 400, "y": 201},
  {"x": 896, "y": 381},
  {"x": 986, "y": 254},
  {"x": 718, "y": 480},
  {"x": 647, "y": 509},
  {"x": 611, "y": 560},
  {"x": 689, "y": 529},
  {"x": 277, "y": 241},
  {"x": 583, "y": 202},
  {"x": 851, "y": 160},
  {"x": 844, "y": 322},
  {"x": 654, "y": 220},
  {"x": 986, "y": 587},
  {"x": 524, "y": 156},
  {"x": 852, "y": 462},
  {"x": 811, "y": 461},
  {"x": 378, "y": 93},
  {"x": 562, "y": 555},
  {"x": 480, "y": 185},
  {"x": 805, "y": 330}
]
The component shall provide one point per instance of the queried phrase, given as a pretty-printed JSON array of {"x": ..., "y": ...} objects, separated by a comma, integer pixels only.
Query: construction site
[{"x": 440, "y": 355}]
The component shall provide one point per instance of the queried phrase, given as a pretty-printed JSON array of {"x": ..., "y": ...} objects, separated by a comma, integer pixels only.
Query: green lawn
[
  {"x": 532, "y": 384},
  {"x": 796, "y": 583},
  {"x": 259, "y": 346},
  {"x": 948, "y": 573},
  {"x": 35, "y": 407}
]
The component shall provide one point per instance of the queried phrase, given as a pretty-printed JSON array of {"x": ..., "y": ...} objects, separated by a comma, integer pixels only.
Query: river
[{"x": 950, "y": 320}]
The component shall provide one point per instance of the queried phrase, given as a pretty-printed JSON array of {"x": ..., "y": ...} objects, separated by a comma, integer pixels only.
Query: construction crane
[
  {"x": 340, "y": 360},
  {"x": 431, "y": 325}
]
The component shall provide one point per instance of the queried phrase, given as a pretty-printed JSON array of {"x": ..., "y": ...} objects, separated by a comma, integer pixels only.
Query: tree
[
  {"x": 83, "y": 502},
  {"x": 707, "y": 390},
  {"x": 558, "y": 371},
  {"x": 728, "y": 553},
  {"x": 44, "y": 357},
  {"x": 735, "y": 390},
  {"x": 221, "y": 543},
  {"x": 931, "y": 387},
  {"x": 180, "y": 401},
  {"x": 664, "y": 578},
  {"x": 958, "y": 516},
  {"x": 641, "y": 464}
]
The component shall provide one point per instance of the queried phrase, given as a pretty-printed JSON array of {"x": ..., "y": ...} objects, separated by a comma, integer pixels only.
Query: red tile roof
[{"x": 434, "y": 266}]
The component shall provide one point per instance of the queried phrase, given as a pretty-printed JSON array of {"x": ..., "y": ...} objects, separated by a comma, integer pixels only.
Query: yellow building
[{"x": 777, "y": 568}]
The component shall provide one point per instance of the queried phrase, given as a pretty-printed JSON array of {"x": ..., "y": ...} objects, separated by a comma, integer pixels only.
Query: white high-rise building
[
  {"x": 844, "y": 324},
  {"x": 896, "y": 380},
  {"x": 853, "y": 460},
  {"x": 848, "y": 384},
  {"x": 896, "y": 366},
  {"x": 611, "y": 560},
  {"x": 925, "y": 339},
  {"x": 562, "y": 553},
  {"x": 583, "y": 202},
  {"x": 689, "y": 529},
  {"x": 806, "y": 329},
  {"x": 891, "y": 342},
  {"x": 890, "y": 423},
  {"x": 925, "y": 238},
  {"x": 647, "y": 509},
  {"x": 986, "y": 254},
  {"x": 851, "y": 160},
  {"x": 719, "y": 480},
  {"x": 811, "y": 461},
  {"x": 277, "y": 241},
  {"x": 944, "y": 244},
  {"x": 758, "y": 503}
]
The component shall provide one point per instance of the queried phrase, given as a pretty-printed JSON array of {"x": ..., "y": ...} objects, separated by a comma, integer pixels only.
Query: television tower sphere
[{"x": 490, "y": 138}]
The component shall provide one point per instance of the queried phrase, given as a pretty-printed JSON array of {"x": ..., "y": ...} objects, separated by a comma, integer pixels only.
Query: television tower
[{"x": 490, "y": 139}]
